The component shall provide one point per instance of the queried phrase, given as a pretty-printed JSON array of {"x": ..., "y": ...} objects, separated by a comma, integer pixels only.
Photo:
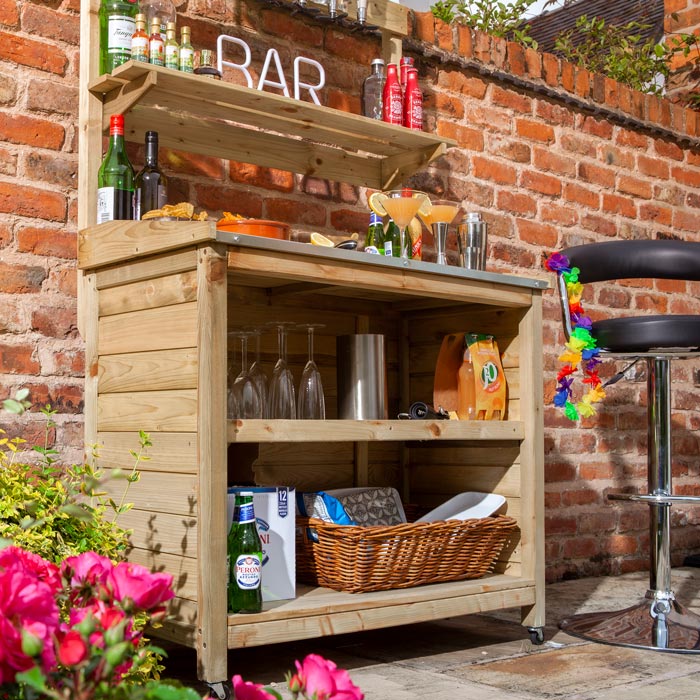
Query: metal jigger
[
  {"x": 440, "y": 234},
  {"x": 362, "y": 11}
]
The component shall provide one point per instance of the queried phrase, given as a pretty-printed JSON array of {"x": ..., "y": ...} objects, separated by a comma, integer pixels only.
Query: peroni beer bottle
[
  {"x": 115, "y": 178},
  {"x": 244, "y": 559}
]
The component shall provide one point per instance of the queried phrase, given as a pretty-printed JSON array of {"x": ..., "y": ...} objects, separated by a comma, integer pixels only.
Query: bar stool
[{"x": 658, "y": 622}]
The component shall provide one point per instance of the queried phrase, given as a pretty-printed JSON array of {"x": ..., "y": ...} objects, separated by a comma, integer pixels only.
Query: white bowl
[{"x": 465, "y": 506}]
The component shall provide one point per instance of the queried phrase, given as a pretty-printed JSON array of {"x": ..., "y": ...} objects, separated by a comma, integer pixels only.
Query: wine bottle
[
  {"x": 150, "y": 185},
  {"x": 117, "y": 26},
  {"x": 115, "y": 178}
]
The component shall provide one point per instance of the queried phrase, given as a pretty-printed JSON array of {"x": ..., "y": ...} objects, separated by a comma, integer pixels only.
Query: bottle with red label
[
  {"x": 406, "y": 63},
  {"x": 412, "y": 101},
  {"x": 391, "y": 99}
]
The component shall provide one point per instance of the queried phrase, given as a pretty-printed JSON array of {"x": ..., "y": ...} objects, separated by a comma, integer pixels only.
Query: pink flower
[
  {"x": 137, "y": 584},
  {"x": 323, "y": 680},
  {"x": 27, "y": 604},
  {"x": 86, "y": 569},
  {"x": 72, "y": 648},
  {"x": 245, "y": 690}
]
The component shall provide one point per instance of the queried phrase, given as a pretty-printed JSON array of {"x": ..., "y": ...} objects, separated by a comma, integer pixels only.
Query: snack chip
[
  {"x": 228, "y": 216},
  {"x": 183, "y": 210}
]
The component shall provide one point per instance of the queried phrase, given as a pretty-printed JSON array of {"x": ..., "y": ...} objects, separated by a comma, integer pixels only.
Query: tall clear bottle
[
  {"x": 164, "y": 10},
  {"x": 117, "y": 26},
  {"x": 115, "y": 178},
  {"x": 150, "y": 184},
  {"x": 372, "y": 91},
  {"x": 244, "y": 559}
]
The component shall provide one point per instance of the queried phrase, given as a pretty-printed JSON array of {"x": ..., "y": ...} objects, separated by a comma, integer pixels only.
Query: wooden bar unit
[{"x": 164, "y": 295}]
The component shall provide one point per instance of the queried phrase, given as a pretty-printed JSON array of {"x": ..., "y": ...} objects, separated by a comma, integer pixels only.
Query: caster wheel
[
  {"x": 220, "y": 690},
  {"x": 536, "y": 635}
]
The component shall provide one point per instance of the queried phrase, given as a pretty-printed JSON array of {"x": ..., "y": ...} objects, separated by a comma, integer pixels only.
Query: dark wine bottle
[
  {"x": 115, "y": 178},
  {"x": 150, "y": 185}
]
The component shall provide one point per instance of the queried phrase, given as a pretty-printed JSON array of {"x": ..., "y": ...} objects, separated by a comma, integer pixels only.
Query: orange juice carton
[{"x": 490, "y": 380}]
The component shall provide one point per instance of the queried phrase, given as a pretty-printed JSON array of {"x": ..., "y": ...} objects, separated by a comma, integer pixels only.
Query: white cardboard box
[{"x": 275, "y": 515}]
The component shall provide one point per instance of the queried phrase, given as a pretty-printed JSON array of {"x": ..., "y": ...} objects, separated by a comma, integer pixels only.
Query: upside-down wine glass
[
  {"x": 437, "y": 217},
  {"x": 245, "y": 399},
  {"x": 282, "y": 401},
  {"x": 311, "y": 404},
  {"x": 402, "y": 205},
  {"x": 258, "y": 374}
]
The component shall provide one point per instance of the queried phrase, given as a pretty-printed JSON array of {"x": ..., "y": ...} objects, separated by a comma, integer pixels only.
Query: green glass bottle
[
  {"x": 186, "y": 59},
  {"x": 115, "y": 178},
  {"x": 375, "y": 233},
  {"x": 117, "y": 26},
  {"x": 172, "y": 49},
  {"x": 244, "y": 559}
]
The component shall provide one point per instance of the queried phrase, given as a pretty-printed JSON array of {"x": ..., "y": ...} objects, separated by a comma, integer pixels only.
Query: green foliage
[
  {"x": 490, "y": 16},
  {"x": 618, "y": 52}
]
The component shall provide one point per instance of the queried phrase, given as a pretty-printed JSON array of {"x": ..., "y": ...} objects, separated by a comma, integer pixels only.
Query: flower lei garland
[{"x": 581, "y": 347}]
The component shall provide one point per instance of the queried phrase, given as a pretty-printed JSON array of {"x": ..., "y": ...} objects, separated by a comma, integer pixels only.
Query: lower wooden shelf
[{"x": 318, "y": 612}]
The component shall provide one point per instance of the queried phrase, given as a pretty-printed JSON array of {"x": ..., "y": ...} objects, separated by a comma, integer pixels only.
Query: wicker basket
[{"x": 360, "y": 559}]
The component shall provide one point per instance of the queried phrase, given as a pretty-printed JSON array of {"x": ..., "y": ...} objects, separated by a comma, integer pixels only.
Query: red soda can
[
  {"x": 412, "y": 101},
  {"x": 392, "y": 112}
]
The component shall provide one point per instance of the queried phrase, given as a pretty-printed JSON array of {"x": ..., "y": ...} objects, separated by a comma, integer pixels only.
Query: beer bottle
[
  {"x": 375, "y": 233},
  {"x": 244, "y": 558}
]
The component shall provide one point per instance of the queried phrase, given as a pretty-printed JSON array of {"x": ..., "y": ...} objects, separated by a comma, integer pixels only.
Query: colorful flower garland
[{"x": 581, "y": 347}]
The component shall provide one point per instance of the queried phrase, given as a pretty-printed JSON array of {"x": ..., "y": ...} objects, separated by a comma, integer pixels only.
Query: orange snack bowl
[{"x": 256, "y": 227}]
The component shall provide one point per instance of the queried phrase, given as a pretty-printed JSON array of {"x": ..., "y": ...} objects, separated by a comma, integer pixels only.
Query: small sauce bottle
[
  {"x": 172, "y": 50},
  {"x": 206, "y": 67},
  {"x": 391, "y": 99},
  {"x": 186, "y": 57},
  {"x": 139, "y": 40},
  {"x": 156, "y": 45}
]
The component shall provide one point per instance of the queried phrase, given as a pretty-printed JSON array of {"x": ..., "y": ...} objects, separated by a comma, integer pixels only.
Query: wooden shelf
[
  {"x": 371, "y": 430},
  {"x": 224, "y": 120},
  {"x": 316, "y": 610}
]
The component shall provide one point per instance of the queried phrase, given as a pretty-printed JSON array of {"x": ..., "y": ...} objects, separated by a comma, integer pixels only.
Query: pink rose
[
  {"x": 86, "y": 569},
  {"x": 245, "y": 690},
  {"x": 72, "y": 648},
  {"x": 323, "y": 680},
  {"x": 137, "y": 584},
  {"x": 27, "y": 604}
]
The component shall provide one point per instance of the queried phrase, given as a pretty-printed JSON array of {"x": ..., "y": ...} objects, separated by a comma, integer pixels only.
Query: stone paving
[{"x": 490, "y": 657}]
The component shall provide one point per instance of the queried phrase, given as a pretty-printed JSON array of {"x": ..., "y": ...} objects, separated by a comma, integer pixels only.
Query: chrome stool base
[{"x": 659, "y": 625}]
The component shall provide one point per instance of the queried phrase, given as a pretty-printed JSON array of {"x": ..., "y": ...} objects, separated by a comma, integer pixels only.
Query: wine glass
[
  {"x": 282, "y": 400},
  {"x": 258, "y": 374},
  {"x": 244, "y": 398},
  {"x": 311, "y": 404},
  {"x": 402, "y": 205},
  {"x": 438, "y": 216}
]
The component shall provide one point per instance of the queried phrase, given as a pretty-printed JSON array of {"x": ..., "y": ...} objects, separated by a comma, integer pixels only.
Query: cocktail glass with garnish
[
  {"x": 401, "y": 205},
  {"x": 438, "y": 215}
]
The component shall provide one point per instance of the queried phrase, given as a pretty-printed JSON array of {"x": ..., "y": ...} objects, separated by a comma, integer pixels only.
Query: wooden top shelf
[
  {"x": 221, "y": 119},
  {"x": 371, "y": 430}
]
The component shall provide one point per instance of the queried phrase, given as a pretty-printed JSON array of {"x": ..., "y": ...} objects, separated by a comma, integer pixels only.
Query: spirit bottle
[
  {"x": 117, "y": 26},
  {"x": 115, "y": 178}
]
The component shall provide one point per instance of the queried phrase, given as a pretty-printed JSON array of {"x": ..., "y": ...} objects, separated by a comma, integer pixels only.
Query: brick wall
[
  {"x": 682, "y": 17},
  {"x": 546, "y": 152}
]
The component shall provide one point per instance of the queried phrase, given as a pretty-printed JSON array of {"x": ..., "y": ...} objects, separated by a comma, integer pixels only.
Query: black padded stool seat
[
  {"x": 644, "y": 333},
  {"x": 659, "y": 621}
]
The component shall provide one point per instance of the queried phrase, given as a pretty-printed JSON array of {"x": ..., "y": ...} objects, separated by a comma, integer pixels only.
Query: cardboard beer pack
[{"x": 274, "y": 515}]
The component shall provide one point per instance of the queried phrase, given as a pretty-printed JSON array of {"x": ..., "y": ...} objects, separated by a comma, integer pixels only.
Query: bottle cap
[
  {"x": 374, "y": 219},
  {"x": 407, "y": 60},
  {"x": 377, "y": 62},
  {"x": 205, "y": 59},
  {"x": 140, "y": 18},
  {"x": 473, "y": 216},
  {"x": 155, "y": 22},
  {"x": 185, "y": 30},
  {"x": 170, "y": 26}
]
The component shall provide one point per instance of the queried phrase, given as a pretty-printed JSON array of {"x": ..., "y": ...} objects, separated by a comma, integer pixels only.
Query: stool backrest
[{"x": 634, "y": 259}]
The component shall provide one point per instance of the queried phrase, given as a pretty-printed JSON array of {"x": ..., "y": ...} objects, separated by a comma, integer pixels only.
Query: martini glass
[
  {"x": 402, "y": 205},
  {"x": 437, "y": 216}
]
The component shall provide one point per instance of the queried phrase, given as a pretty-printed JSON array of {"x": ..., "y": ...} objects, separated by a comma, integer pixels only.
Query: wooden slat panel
[
  {"x": 152, "y": 371},
  {"x": 149, "y": 294},
  {"x": 150, "y": 329},
  {"x": 454, "y": 480},
  {"x": 170, "y": 452},
  {"x": 158, "y": 411},
  {"x": 161, "y": 532},
  {"x": 153, "y": 267},
  {"x": 149, "y": 493},
  {"x": 181, "y": 624}
]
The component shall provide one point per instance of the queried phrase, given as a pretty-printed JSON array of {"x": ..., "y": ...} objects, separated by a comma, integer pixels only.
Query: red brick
[
  {"x": 295, "y": 212},
  {"x": 598, "y": 88},
  {"x": 545, "y": 184},
  {"x": 597, "y": 127},
  {"x": 686, "y": 176},
  {"x": 65, "y": 398},
  {"x": 553, "y": 162},
  {"x": 347, "y": 46},
  {"x": 215, "y": 199},
  {"x": 556, "y": 214},
  {"x": 567, "y": 76},
  {"x": 516, "y": 58},
  {"x": 455, "y": 81},
  {"x": 671, "y": 286},
  {"x": 534, "y": 130},
  {"x": 581, "y": 195},
  {"x": 634, "y": 186},
  {"x": 9, "y": 16},
  {"x": 47, "y": 242},
  {"x": 560, "y": 525},
  {"x": 465, "y": 41},
  {"x": 580, "y": 548},
  {"x": 35, "y": 54},
  {"x": 349, "y": 221},
  {"x": 599, "y": 224},
  {"x": 656, "y": 213},
  {"x": 533, "y": 63},
  {"x": 516, "y": 203},
  {"x": 550, "y": 69},
  {"x": 612, "y": 93},
  {"x": 444, "y": 35},
  {"x": 55, "y": 322},
  {"x": 52, "y": 168},
  {"x": 488, "y": 169},
  {"x": 612, "y": 155},
  {"x": 579, "y": 144},
  {"x": 482, "y": 47},
  {"x": 511, "y": 100},
  {"x": 582, "y": 82},
  {"x": 281, "y": 24},
  {"x": 193, "y": 164},
  {"x": 32, "y": 202},
  {"x": 8, "y": 162},
  {"x": 31, "y": 131},
  {"x": 18, "y": 359},
  {"x": 446, "y": 105},
  {"x": 48, "y": 23},
  {"x": 655, "y": 167},
  {"x": 489, "y": 118},
  {"x": 597, "y": 174},
  {"x": 498, "y": 51},
  {"x": 21, "y": 279},
  {"x": 668, "y": 150},
  {"x": 554, "y": 113},
  {"x": 514, "y": 150},
  {"x": 537, "y": 233},
  {"x": 424, "y": 27},
  {"x": 617, "y": 545},
  {"x": 615, "y": 204},
  {"x": 67, "y": 363},
  {"x": 466, "y": 137},
  {"x": 651, "y": 302},
  {"x": 686, "y": 221},
  {"x": 596, "y": 522}
]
